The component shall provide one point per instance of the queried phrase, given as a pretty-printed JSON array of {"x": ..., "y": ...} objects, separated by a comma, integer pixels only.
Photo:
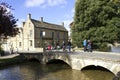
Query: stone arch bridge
[{"x": 79, "y": 60}]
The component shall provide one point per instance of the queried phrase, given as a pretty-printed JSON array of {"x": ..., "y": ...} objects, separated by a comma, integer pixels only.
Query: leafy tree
[
  {"x": 97, "y": 20},
  {"x": 7, "y": 21}
]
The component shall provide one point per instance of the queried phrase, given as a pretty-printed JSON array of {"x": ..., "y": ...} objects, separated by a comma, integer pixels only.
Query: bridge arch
[
  {"x": 34, "y": 59},
  {"x": 106, "y": 65},
  {"x": 94, "y": 67},
  {"x": 66, "y": 62},
  {"x": 57, "y": 60}
]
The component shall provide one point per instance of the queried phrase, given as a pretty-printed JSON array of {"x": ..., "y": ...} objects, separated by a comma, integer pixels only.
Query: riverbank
[{"x": 11, "y": 59}]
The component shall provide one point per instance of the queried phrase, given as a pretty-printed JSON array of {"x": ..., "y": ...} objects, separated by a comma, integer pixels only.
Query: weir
[{"x": 115, "y": 49}]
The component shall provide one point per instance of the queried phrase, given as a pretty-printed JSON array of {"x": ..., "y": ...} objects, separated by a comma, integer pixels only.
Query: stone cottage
[{"x": 36, "y": 34}]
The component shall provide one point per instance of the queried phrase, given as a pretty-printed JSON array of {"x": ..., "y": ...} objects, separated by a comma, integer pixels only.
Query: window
[
  {"x": 30, "y": 33},
  {"x": 19, "y": 44},
  {"x": 52, "y": 35},
  {"x": 30, "y": 42},
  {"x": 41, "y": 34},
  {"x": 29, "y": 25}
]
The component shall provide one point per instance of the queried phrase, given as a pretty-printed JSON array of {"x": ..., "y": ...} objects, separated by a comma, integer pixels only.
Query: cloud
[
  {"x": 56, "y": 2},
  {"x": 34, "y": 3},
  {"x": 44, "y": 3},
  {"x": 69, "y": 19}
]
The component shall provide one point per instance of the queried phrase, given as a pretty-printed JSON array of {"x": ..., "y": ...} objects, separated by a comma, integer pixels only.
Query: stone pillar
[{"x": 43, "y": 59}]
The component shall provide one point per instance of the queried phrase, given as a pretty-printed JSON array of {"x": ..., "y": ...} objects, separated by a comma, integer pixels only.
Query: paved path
[{"x": 9, "y": 56}]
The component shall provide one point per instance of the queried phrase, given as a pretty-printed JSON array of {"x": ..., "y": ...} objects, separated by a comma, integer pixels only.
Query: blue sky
[{"x": 53, "y": 11}]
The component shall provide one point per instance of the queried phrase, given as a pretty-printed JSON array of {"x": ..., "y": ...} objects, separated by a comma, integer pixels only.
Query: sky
[{"x": 52, "y": 11}]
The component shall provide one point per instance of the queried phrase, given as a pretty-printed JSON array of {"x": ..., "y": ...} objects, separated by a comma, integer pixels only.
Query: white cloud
[
  {"x": 44, "y": 3},
  {"x": 56, "y": 2},
  {"x": 34, "y": 3},
  {"x": 69, "y": 19}
]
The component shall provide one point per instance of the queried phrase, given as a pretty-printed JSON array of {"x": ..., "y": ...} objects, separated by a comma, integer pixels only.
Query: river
[{"x": 33, "y": 70}]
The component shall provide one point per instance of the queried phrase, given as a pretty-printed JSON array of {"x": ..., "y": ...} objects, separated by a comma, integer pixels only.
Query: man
[
  {"x": 85, "y": 44},
  {"x": 69, "y": 45}
]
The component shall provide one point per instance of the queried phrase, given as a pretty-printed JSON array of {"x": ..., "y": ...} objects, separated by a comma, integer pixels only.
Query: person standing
[
  {"x": 63, "y": 46},
  {"x": 69, "y": 45},
  {"x": 89, "y": 47},
  {"x": 85, "y": 45}
]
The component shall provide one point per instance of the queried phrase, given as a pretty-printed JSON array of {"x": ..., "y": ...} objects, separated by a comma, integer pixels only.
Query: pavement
[
  {"x": 9, "y": 56},
  {"x": 99, "y": 55}
]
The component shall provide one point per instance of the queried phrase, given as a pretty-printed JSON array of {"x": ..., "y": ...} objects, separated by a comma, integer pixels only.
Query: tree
[
  {"x": 7, "y": 21},
  {"x": 97, "y": 20}
]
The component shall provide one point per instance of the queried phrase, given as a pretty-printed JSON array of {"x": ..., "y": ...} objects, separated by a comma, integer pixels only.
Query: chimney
[
  {"x": 41, "y": 19},
  {"x": 63, "y": 24},
  {"x": 29, "y": 16},
  {"x": 23, "y": 23}
]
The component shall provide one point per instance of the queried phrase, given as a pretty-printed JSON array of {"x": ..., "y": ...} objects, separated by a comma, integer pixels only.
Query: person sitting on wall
[{"x": 49, "y": 47}]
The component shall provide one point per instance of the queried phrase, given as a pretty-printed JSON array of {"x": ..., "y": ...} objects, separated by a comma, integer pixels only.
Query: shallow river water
[{"x": 52, "y": 71}]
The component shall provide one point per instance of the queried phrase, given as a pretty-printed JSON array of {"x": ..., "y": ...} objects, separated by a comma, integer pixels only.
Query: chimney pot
[
  {"x": 41, "y": 19},
  {"x": 23, "y": 24},
  {"x": 62, "y": 23},
  {"x": 29, "y": 16}
]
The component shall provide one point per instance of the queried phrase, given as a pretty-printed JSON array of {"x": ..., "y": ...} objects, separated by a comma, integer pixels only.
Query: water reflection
[
  {"x": 10, "y": 73},
  {"x": 56, "y": 71}
]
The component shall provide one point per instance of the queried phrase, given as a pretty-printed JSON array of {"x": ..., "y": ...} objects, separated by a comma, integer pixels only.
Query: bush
[
  {"x": 104, "y": 47},
  {"x": 101, "y": 47}
]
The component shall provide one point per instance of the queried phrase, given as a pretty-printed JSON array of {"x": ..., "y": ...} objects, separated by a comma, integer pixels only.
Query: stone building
[{"x": 36, "y": 34}]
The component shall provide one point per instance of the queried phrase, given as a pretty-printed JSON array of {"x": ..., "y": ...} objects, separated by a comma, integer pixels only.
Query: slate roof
[{"x": 48, "y": 25}]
